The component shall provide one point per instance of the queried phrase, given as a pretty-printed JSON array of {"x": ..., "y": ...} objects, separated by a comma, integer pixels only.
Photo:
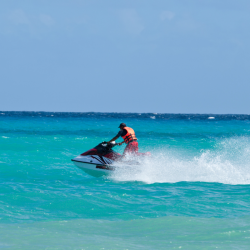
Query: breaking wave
[{"x": 227, "y": 163}]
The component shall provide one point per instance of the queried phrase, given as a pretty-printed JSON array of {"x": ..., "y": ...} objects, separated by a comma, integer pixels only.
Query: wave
[
  {"x": 101, "y": 115},
  {"x": 155, "y": 233},
  {"x": 228, "y": 163}
]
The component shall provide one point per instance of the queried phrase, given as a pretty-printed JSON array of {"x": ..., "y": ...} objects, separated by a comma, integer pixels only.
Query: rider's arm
[
  {"x": 120, "y": 133},
  {"x": 115, "y": 138},
  {"x": 121, "y": 143}
]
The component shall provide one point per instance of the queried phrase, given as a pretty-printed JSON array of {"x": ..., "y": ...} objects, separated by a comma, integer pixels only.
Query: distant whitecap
[
  {"x": 211, "y": 117},
  {"x": 152, "y": 117}
]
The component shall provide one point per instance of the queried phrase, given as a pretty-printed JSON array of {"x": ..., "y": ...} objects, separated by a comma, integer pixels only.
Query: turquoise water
[{"x": 193, "y": 193}]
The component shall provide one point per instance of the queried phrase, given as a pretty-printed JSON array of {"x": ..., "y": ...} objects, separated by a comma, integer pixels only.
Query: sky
[{"x": 163, "y": 56}]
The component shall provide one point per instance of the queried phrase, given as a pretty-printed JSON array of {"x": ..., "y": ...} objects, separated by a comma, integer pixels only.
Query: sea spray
[{"x": 228, "y": 163}]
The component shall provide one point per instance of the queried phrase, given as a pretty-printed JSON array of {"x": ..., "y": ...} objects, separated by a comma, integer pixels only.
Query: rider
[{"x": 128, "y": 134}]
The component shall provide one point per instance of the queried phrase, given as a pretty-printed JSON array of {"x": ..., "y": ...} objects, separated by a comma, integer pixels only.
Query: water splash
[{"x": 228, "y": 163}]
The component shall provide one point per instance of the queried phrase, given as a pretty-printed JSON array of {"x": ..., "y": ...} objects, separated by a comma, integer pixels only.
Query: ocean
[{"x": 192, "y": 193}]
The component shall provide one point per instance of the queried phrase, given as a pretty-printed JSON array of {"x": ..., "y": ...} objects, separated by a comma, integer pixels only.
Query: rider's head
[{"x": 122, "y": 125}]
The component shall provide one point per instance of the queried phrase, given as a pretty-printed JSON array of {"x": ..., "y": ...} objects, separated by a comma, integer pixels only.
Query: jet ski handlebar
[{"x": 109, "y": 145}]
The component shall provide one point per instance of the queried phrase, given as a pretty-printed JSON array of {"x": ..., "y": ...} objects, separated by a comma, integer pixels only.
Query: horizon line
[{"x": 155, "y": 113}]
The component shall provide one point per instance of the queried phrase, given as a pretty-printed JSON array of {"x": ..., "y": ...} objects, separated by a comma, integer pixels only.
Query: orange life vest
[{"x": 130, "y": 136}]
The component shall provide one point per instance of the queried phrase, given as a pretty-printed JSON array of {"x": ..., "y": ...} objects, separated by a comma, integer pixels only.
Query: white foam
[
  {"x": 152, "y": 117},
  {"x": 5, "y": 137},
  {"x": 211, "y": 117},
  {"x": 228, "y": 164}
]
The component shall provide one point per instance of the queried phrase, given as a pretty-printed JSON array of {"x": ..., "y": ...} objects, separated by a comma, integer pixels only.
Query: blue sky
[{"x": 125, "y": 56}]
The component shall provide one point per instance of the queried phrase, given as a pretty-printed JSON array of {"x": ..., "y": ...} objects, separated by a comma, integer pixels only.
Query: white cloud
[
  {"x": 167, "y": 15},
  {"x": 131, "y": 21},
  {"x": 47, "y": 20},
  {"x": 18, "y": 17}
]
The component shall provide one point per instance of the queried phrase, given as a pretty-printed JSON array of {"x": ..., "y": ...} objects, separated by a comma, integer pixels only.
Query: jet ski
[{"x": 101, "y": 160}]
